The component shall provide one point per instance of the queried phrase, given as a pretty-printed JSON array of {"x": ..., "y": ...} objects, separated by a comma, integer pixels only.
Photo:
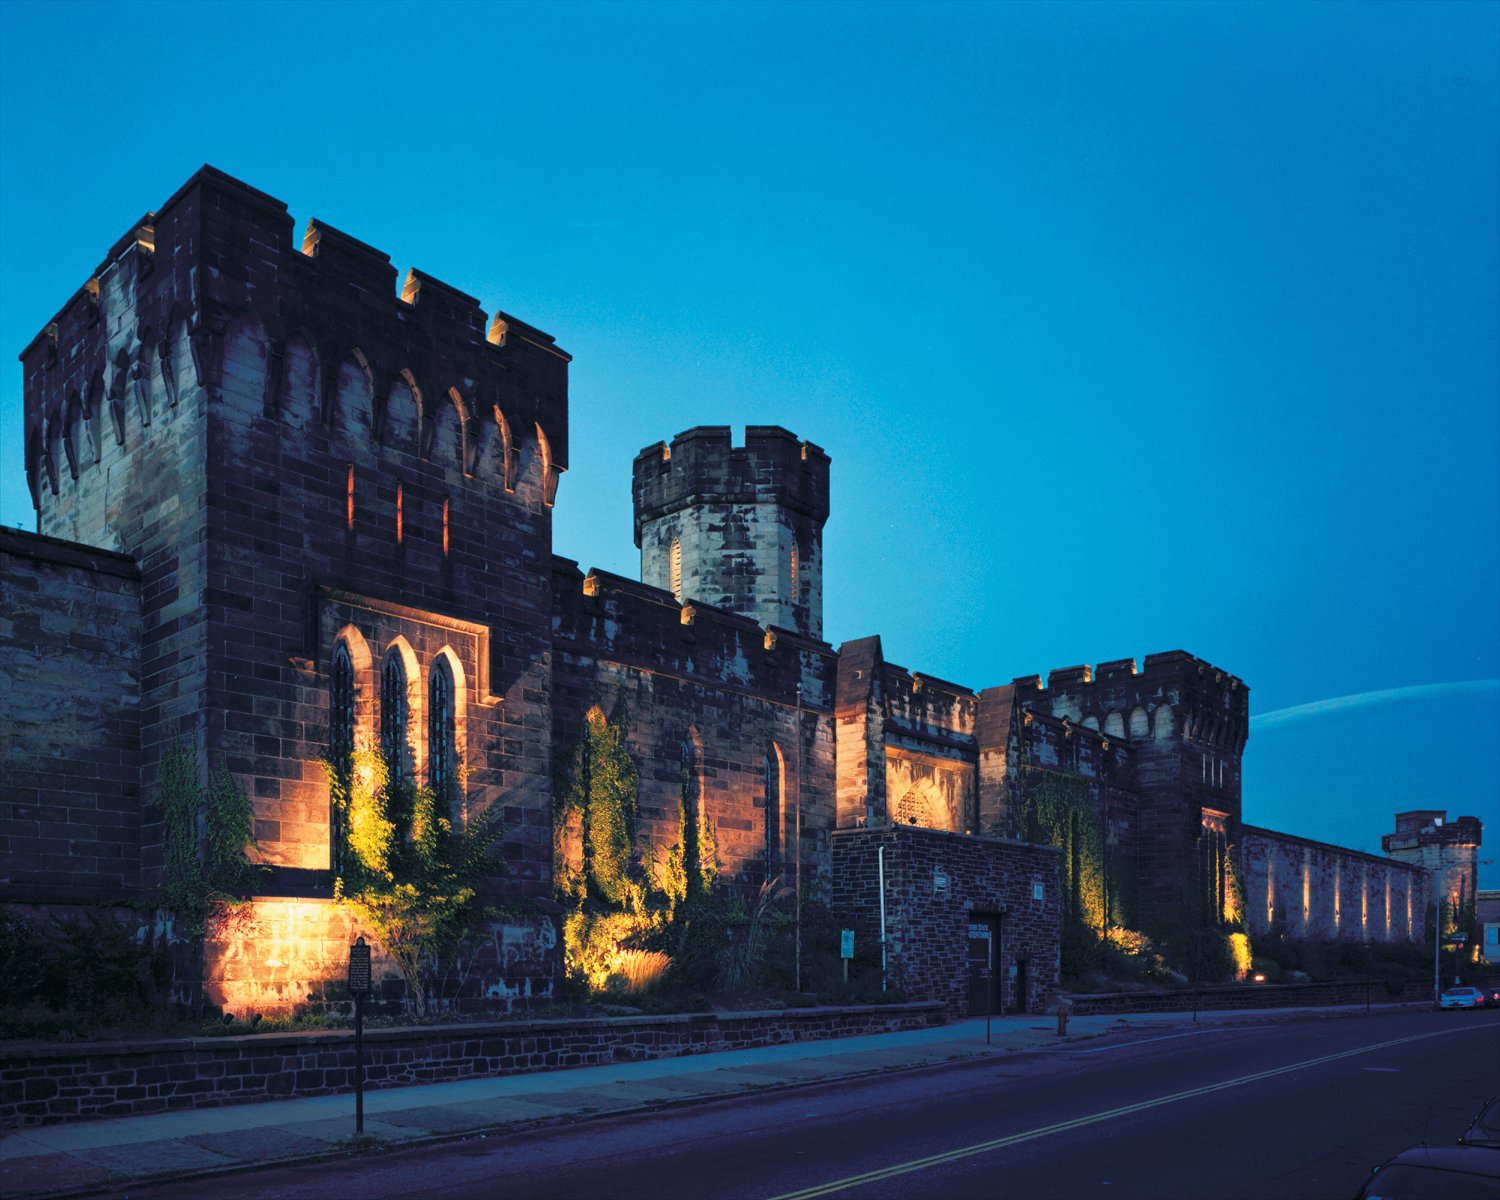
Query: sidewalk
[{"x": 71, "y": 1158}]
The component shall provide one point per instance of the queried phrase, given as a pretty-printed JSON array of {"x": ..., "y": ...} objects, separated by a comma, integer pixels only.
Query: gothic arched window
[
  {"x": 440, "y": 747},
  {"x": 393, "y": 715},
  {"x": 341, "y": 706},
  {"x": 773, "y": 811}
]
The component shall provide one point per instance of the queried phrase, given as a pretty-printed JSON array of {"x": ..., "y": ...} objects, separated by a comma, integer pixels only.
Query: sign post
[
  {"x": 359, "y": 987},
  {"x": 846, "y": 949}
]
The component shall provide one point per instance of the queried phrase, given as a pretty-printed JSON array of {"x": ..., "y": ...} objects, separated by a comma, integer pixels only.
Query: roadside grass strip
[{"x": 937, "y": 1160}]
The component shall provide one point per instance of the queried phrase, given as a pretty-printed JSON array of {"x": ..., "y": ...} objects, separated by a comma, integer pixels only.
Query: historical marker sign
[
  {"x": 359, "y": 968},
  {"x": 846, "y": 943}
]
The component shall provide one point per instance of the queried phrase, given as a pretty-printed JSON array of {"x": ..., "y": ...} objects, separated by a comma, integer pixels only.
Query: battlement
[
  {"x": 213, "y": 288},
  {"x": 703, "y": 466},
  {"x": 1431, "y": 827},
  {"x": 1174, "y": 694},
  {"x": 604, "y": 617},
  {"x": 739, "y": 527}
]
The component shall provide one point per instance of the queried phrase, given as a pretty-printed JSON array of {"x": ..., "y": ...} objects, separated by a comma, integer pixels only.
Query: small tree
[{"x": 407, "y": 870}]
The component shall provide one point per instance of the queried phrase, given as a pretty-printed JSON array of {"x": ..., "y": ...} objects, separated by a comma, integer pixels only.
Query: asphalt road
[{"x": 1286, "y": 1109}]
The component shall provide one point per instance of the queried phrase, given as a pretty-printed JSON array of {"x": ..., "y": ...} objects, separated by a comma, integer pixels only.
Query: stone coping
[{"x": 456, "y": 1031}]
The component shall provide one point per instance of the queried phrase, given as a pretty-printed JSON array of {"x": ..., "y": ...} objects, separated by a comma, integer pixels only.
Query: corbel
[
  {"x": 328, "y": 382},
  {"x": 206, "y": 344},
  {"x": 140, "y": 385},
  {"x": 380, "y": 396},
  {"x": 275, "y": 361},
  {"x": 428, "y": 418}
]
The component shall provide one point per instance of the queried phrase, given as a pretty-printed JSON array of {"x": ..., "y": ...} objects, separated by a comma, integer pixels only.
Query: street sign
[
  {"x": 846, "y": 943},
  {"x": 359, "y": 968}
]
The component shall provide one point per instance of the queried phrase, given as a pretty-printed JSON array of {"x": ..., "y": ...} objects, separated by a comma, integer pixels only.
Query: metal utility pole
[
  {"x": 1437, "y": 935},
  {"x": 797, "y": 845}
]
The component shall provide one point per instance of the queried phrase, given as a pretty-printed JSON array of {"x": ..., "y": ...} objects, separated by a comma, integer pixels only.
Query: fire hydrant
[{"x": 1064, "y": 1007}]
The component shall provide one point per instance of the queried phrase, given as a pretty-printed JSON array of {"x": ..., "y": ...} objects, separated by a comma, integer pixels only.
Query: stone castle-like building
[{"x": 280, "y": 503}]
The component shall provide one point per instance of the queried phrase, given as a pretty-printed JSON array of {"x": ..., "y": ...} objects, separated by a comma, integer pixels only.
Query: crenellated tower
[
  {"x": 319, "y": 474},
  {"x": 737, "y": 527}
]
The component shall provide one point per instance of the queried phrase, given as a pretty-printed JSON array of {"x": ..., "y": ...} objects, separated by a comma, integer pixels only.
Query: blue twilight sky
[{"x": 1128, "y": 327}]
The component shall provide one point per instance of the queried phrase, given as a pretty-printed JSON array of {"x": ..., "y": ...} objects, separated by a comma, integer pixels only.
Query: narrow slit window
[
  {"x": 773, "y": 812},
  {"x": 677, "y": 569},
  {"x": 342, "y": 706},
  {"x": 794, "y": 572},
  {"x": 350, "y": 507},
  {"x": 440, "y": 731},
  {"x": 400, "y": 495},
  {"x": 445, "y": 528},
  {"x": 393, "y": 715}
]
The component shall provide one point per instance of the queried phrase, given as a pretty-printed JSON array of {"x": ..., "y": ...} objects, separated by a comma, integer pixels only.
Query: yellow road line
[{"x": 936, "y": 1160}]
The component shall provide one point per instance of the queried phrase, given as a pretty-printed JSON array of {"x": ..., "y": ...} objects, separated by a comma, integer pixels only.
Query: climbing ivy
[
  {"x": 1057, "y": 811},
  {"x": 410, "y": 873},
  {"x": 621, "y": 894},
  {"x": 199, "y": 881}
]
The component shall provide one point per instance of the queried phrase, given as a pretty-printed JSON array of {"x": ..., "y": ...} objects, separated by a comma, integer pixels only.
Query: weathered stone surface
[
  {"x": 215, "y": 1071},
  {"x": 70, "y": 688},
  {"x": 934, "y": 883},
  {"x": 747, "y": 523},
  {"x": 1325, "y": 892}
]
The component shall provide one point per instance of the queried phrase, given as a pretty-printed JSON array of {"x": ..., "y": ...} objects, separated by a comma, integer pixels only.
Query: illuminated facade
[{"x": 285, "y": 510}]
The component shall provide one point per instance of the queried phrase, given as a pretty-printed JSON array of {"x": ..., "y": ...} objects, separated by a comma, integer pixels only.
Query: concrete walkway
[{"x": 80, "y": 1157}]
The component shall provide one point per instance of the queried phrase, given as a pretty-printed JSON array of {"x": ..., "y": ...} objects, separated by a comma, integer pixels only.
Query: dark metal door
[
  {"x": 1019, "y": 979},
  {"x": 981, "y": 964}
]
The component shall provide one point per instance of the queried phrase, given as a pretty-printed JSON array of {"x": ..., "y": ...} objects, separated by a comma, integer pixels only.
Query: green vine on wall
[
  {"x": 203, "y": 874},
  {"x": 410, "y": 872},
  {"x": 622, "y": 898},
  {"x": 1057, "y": 810}
]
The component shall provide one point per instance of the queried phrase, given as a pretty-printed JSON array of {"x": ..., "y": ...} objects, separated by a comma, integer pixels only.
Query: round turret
[{"x": 736, "y": 527}]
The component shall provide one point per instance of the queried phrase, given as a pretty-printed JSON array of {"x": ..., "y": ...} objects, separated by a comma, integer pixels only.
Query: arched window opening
[
  {"x": 393, "y": 716},
  {"x": 341, "y": 707},
  {"x": 773, "y": 812},
  {"x": 400, "y": 497},
  {"x": 445, "y": 527},
  {"x": 440, "y": 729},
  {"x": 677, "y": 571},
  {"x": 349, "y": 487}
]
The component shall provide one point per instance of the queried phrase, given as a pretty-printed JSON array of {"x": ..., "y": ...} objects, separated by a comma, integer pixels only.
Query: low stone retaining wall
[
  {"x": 43, "y": 1085},
  {"x": 1265, "y": 995}
]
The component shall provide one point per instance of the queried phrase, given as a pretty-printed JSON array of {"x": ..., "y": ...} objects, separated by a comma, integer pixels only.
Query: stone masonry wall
[
  {"x": 738, "y": 515},
  {"x": 716, "y": 684},
  {"x": 1187, "y": 722},
  {"x": 1328, "y": 893},
  {"x": 284, "y": 953},
  {"x": 70, "y": 628},
  {"x": 50, "y": 1084},
  {"x": 259, "y": 421},
  {"x": 927, "y": 924},
  {"x": 930, "y": 751},
  {"x": 1271, "y": 995}
]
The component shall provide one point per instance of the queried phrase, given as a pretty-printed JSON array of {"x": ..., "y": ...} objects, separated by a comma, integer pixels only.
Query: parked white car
[{"x": 1461, "y": 997}]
